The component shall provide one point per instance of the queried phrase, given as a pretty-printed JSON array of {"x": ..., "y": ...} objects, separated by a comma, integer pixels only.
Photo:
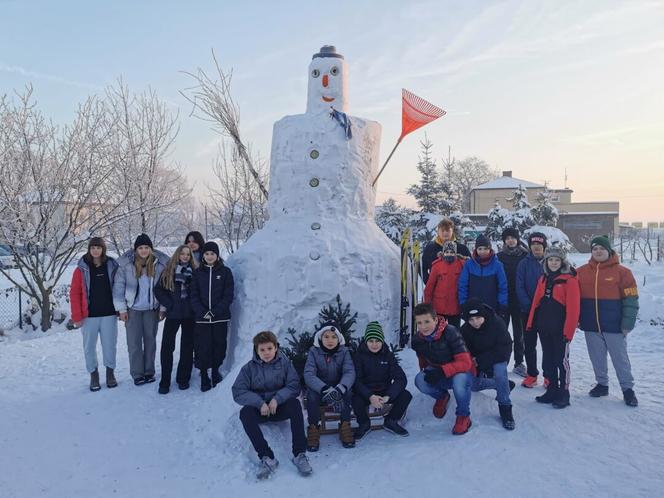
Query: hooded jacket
[
  {"x": 258, "y": 382},
  {"x": 490, "y": 344},
  {"x": 125, "y": 284},
  {"x": 484, "y": 280},
  {"x": 212, "y": 290},
  {"x": 176, "y": 307},
  {"x": 377, "y": 372},
  {"x": 510, "y": 258},
  {"x": 445, "y": 350},
  {"x": 79, "y": 292},
  {"x": 528, "y": 274},
  {"x": 431, "y": 251},
  {"x": 325, "y": 368},
  {"x": 442, "y": 289},
  {"x": 609, "y": 296}
]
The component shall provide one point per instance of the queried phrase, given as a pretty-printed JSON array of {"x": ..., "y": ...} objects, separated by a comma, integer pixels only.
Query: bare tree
[
  {"x": 55, "y": 191},
  {"x": 238, "y": 205},
  {"x": 465, "y": 175},
  {"x": 212, "y": 101}
]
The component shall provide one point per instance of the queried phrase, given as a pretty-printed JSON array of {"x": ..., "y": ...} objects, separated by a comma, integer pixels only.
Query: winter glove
[
  {"x": 434, "y": 376},
  {"x": 334, "y": 394},
  {"x": 208, "y": 316}
]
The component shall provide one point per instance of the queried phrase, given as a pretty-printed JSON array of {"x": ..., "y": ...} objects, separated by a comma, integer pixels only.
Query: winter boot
[
  {"x": 506, "y": 416},
  {"x": 512, "y": 385},
  {"x": 205, "y": 381},
  {"x": 529, "y": 381},
  {"x": 362, "y": 430},
  {"x": 216, "y": 377},
  {"x": 313, "y": 437},
  {"x": 346, "y": 435},
  {"x": 163, "y": 388},
  {"x": 110, "y": 378},
  {"x": 94, "y": 381},
  {"x": 562, "y": 399},
  {"x": 630, "y": 397},
  {"x": 391, "y": 425},
  {"x": 267, "y": 467},
  {"x": 302, "y": 464},
  {"x": 549, "y": 396},
  {"x": 440, "y": 406},
  {"x": 520, "y": 370},
  {"x": 461, "y": 425},
  {"x": 183, "y": 386},
  {"x": 599, "y": 390}
]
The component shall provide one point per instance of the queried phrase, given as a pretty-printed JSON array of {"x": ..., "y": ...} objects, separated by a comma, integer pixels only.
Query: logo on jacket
[
  {"x": 218, "y": 277},
  {"x": 608, "y": 279}
]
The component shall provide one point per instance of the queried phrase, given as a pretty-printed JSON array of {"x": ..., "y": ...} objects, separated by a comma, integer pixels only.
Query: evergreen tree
[
  {"x": 499, "y": 218},
  {"x": 521, "y": 217},
  {"x": 433, "y": 191},
  {"x": 544, "y": 212},
  {"x": 393, "y": 219}
]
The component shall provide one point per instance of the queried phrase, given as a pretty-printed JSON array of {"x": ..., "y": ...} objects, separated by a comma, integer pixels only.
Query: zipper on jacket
[
  {"x": 599, "y": 328},
  {"x": 210, "y": 293}
]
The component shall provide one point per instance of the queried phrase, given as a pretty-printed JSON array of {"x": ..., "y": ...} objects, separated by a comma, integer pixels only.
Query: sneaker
[
  {"x": 520, "y": 370},
  {"x": 506, "y": 417},
  {"x": 346, "y": 435},
  {"x": 461, "y": 425},
  {"x": 440, "y": 406},
  {"x": 549, "y": 396},
  {"x": 94, "y": 381},
  {"x": 183, "y": 386},
  {"x": 139, "y": 381},
  {"x": 562, "y": 399},
  {"x": 149, "y": 379},
  {"x": 529, "y": 381},
  {"x": 267, "y": 467},
  {"x": 599, "y": 390},
  {"x": 630, "y": 397},
  {"x": 362, "y": 430},
  {"x": 110, "y": 378},
  {"x": 163, "y": 389},
  {"x": 512, "y": 385},
  {"x": 313, "y": 438},
  {"x": 545, "y": 382},
  {"x": 391, "y": 425},
  {"x": 302, "y": 463},
  {"x": 216, "y": 377}
]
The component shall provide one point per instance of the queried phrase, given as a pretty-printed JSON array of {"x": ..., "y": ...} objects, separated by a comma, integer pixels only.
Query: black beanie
[
  {"x": 474, "y": 307},
  {"x": 510, "y": 232},
  {"x": 142, "y": 240},
  {"x": 537, "y": 238},
  {"x": 212, "y": 247},
  {"x": 482, "y": 241}
]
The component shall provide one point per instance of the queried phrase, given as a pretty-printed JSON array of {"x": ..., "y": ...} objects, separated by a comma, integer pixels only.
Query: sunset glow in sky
[{"x": 533, "y": 87}]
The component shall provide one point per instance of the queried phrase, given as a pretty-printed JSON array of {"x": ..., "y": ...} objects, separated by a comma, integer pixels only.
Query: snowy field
[{"x": 57, "y": 439}]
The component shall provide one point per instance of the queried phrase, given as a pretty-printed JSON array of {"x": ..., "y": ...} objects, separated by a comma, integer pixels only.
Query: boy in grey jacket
[
  {"x": 268, "y": 387},
  {"x": 329, "y": 374}
]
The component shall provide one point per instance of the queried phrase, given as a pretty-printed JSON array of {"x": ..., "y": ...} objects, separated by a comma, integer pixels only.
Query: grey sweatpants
[
  {"x": 616, "y": 345},
  {"x": 105, "y": 327},
  {"x": 141, "y": 330}
]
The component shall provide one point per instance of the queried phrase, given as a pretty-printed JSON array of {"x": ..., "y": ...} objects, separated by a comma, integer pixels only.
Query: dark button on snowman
[{"x": 322, "y": 241}]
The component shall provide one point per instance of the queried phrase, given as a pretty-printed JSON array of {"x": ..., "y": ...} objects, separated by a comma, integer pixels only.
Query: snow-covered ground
[{"x": 58, "y": 439}]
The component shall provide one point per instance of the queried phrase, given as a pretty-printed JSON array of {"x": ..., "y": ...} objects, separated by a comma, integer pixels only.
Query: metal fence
[{"x": 13, "y": 303}]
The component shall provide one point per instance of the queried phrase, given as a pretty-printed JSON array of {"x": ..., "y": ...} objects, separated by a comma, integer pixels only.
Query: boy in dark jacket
[
  {"x": 267, "y": 387},
  {"x": 211, "y": 298},
  {"x": 555, "y": 315},
  {"x": 510, "y": 256},
  {"x": 490, "y": 345},
  {"x": 329, "y": 374},
  {"x": 445, "y": 364},
  {"x": 528, "y": 274},
  {"x": 442, "y": 289},
  {"x": 483, "y": 277},
  {"x": 379, "y": 380}
]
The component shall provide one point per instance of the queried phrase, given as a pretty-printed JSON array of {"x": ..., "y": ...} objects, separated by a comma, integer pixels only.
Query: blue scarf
[{"x": 344, "y": 122}]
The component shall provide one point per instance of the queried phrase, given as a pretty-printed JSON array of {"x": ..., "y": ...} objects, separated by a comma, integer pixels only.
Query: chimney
[{"x": 507, "y": 173}]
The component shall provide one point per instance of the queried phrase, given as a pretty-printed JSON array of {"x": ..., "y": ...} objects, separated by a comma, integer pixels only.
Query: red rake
[{"x": 415, "y": 113}]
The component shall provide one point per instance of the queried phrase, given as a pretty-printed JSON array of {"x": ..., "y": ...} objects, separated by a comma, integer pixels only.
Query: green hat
[
  {"x": 374, "y": 331},
  {"x": 603, "y": 241}
]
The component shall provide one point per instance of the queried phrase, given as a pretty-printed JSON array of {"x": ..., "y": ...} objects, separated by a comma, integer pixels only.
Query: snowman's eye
[
  {"x": 315, "y": 73},
  {"x": 334, "y": 70}
]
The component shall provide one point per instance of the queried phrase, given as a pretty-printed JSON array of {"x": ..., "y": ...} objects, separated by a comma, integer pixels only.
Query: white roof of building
[{"x": 507, "y": 182}]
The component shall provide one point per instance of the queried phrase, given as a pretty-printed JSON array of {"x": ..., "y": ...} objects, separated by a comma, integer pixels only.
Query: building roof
[{"x": 507, "y": 182}]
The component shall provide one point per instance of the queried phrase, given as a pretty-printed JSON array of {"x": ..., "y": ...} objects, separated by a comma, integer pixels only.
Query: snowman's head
[{"x": 328, "y": 82}]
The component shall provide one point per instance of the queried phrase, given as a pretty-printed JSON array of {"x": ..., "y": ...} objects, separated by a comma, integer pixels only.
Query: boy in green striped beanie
[{"x": 379, "y": 381}]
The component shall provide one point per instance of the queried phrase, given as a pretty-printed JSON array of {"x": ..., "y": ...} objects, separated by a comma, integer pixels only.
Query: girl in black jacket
[
  {"x": 173, "y": 293},
  {"x": 211, "y": 298}
]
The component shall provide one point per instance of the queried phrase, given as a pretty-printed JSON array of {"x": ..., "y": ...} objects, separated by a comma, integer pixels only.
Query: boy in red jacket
[
  {"x": 555, "y": 314},
  {"x": 441, "y": 290},
  {"x": 445, "y": 363}
]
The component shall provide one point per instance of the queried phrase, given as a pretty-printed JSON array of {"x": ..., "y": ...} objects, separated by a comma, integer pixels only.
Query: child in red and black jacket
[
  {"x": 555, "y": 314},
  {"x": 442, "y": 286},
  {"x": 445, "y": 364}
]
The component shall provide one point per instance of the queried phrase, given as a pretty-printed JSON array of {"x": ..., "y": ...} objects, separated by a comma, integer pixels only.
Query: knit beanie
[
  {"x": 510, "y": 232},
  {"x": 374, "y": 331},
  {"x": 473, "y": 307},
  {"x": 482, "y": 241},
  {"x": 537, "y": 238},
  {"x": 143, "y": 240},
  {"x": 212, "y": 247},
  {"x": 603, "y": 241},
  {"x": 555, "y": 252},
  {"x": 449, "y": 246}
]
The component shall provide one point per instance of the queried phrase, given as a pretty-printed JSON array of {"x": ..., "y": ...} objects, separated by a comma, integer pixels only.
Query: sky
[{"x": 541, "y": 88}]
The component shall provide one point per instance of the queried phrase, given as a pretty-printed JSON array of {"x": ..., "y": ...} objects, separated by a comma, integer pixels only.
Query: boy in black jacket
[
  {"x": 379, "y": 380},
  {"x": 490, "y": 345},
  {"x": 211, "y": 298}
]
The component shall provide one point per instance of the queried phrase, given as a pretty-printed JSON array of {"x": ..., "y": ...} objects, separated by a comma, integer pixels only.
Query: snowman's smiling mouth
[{"x": 328, "y": 99}]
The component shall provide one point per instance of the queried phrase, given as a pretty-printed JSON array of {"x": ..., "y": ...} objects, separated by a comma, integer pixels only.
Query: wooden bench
[{"x": 327, "y": 414}]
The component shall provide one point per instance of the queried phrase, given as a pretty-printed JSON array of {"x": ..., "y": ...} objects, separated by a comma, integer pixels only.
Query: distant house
[{"x": 579, "y": 220}]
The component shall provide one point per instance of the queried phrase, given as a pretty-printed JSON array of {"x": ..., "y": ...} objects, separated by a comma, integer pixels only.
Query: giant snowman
[{"x": 321, "y": 239}]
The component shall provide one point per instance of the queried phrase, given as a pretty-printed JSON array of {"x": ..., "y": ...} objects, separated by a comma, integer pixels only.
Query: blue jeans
[
  {"x": 500, "y": 383},
  {"x": 459, "y": 383}
]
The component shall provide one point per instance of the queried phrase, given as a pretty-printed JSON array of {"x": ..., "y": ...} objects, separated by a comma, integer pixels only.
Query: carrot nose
[{"x": 325, "y": 80}]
